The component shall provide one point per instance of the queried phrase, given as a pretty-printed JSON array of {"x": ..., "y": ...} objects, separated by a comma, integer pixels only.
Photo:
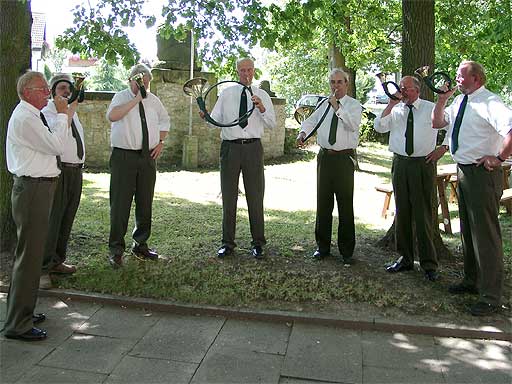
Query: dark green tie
[
  {"x": 145, "y": 139},
  {"x": 79, "y": 145},
  {"x": 243, "y": 108},
  {"x": 409, "y": 132},
  {"x": 458, "y": 122},
  {"x": 334, "y": 126},
  {"x": 41, "y": 115}
]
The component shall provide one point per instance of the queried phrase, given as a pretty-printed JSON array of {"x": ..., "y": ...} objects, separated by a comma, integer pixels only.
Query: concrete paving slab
[
  {"x": 475, "y": 361},
  {"x": 256, "y": 336},
  {"x": 119, "y": 322},
  {"x": 63, "y": 317},
  {"x": 89, "y": 353},
  {"x": 324, "y": 354},
  {"x": 142, "y": 370},
  {"x": 292, "y": 380},
  {"x": 48, "y": 375},
  {"x": 396, "y": 350},
  {"x": 17, "y": 357},
  {"x": 405, "y": 375},
  {"x": 179, "y": 338},
  {"x": 238, "y": 365}
]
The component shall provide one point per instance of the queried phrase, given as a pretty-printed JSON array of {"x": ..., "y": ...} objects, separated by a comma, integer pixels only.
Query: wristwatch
[
  {"x": 161, "y": 141},
  {"x": 446, "y": 147}
]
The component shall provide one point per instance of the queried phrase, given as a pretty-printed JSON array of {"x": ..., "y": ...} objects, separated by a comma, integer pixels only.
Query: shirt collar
[
  {"x": 415, "y": 104},
  {"x": 476, "y": 92},
  {"x": 30, "y": 107}
]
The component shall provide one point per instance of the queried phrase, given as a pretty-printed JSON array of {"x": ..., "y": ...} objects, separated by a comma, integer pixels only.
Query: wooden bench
[
  {"x": 506, "y": 200},
  {"x": 388, "y": 190}
]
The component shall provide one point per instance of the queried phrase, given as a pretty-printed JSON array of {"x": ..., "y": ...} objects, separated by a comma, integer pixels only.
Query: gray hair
[
  {"x": 140, "y": 68},
  {"x": 25, "y": 80},
  {"x": 341, "y": 72},
  {"x": 476, "y": 69},
  {"x": 242, "y": 59},
  {"x": 415, "y": 80}
]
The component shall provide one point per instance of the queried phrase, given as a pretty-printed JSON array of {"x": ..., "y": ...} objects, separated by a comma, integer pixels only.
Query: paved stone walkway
[{"x": 91, "y": 342}]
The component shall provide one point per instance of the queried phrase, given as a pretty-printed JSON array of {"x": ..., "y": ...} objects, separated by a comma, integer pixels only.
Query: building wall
[{"x": 168, "y": 86}]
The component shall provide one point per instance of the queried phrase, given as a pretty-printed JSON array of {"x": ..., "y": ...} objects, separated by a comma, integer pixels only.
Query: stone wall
[{"x": 168, "y": 86}]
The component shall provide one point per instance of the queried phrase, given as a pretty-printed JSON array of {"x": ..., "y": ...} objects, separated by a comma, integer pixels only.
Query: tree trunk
[
  {"x": 337, "y": 60},
  {"x": 15, "y": 54},
  {"x": 418, "y": 36}
]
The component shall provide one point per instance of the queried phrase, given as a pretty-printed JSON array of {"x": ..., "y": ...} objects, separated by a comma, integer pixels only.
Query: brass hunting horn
[
  {"x": 77, "y": 88},
  {"x": 436, "y": 80},
  {"x": 139, "y": 79},
  {"x": 303, "y": 112},
  {"x": 198, "y": 88},
  {"x": 387, "y": 84}
]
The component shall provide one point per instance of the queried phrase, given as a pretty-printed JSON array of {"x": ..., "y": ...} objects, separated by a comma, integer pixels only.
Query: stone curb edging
[{"x": 272, "y": 315}]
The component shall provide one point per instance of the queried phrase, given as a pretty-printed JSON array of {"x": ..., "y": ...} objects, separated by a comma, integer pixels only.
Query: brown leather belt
[{"x": 348, "y": 151}]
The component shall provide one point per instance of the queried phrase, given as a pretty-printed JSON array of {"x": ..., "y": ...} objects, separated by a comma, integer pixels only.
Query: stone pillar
[{"x": 190, "y": 157}]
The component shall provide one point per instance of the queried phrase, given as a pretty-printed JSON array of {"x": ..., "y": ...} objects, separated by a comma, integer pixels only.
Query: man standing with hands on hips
[
  {"x": 69, "y": 187},
  {"x": 241, "y": 150},
  {"x": 413, "y": 143},
  {"x": 337, "y": 123},
  {"x": 32, "y": 149},
  {"x": 139, "y": 126},
  {"x": 480, "y": 140}
]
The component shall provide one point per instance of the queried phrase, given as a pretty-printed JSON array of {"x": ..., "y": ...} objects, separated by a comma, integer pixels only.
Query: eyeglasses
[
  {"x": 39, "y": 88},
  {"x": 406, "y": 88}
]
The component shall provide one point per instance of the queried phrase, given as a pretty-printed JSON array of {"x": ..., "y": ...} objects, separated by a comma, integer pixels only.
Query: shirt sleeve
[
  {"x": 349, "y": 113},
  {"x": 269, "y": 116},
  {"x": 383, "y": 124},
  {"x": 36, "y": 136}
]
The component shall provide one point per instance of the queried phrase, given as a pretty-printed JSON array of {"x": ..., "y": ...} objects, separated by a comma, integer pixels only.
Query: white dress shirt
[
  {"x": 486, "y": 121},
  {"x": 31, "y": 149},
  {"x": 70, "y": 153},
  {"x": 349, "y": 119},
  {"x": 424, "y": 137},
  {"x": 227, "y": 109},
  {"x": 126, "y": 133}
]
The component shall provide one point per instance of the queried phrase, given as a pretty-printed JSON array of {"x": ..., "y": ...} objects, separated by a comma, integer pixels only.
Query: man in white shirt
[
  {"x": 31, "y": 152},
  {"x": 69, "y": 186},
  {"x": 241, "y": 150},
  {"x": 413, "y": 142},
  {"x": 337, "y": 122},
  {"x": 480, "y": 137},
  {"x": 139, "y": 127}
]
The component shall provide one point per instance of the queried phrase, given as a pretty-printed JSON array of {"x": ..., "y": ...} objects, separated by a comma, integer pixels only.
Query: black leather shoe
[
  {"x": 458, "y": 289},
  {"x": 399, "y": 266},
  {"x": 483, "y": 309},
  {"x": 116, "y": 261},
  {"x": 33, "y": 334},
  {"x": 349, "y": 261},
  {"x": 257, "y": 252},
  {"x": 38, "y": 318},
  {"x": 319, "y": 255},
  {"x": 144, "y": 253},
  {"x": 224, "y": 251},
  {"x": 431, "y": 275}
]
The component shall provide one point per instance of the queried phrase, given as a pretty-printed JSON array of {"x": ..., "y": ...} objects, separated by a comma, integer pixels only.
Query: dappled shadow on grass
[{"x": 187, "y": 235}]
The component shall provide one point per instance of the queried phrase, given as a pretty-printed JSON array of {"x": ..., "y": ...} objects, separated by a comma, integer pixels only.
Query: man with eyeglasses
[
  {"x": 69, "y": 186},
  {"x": 413, "y": 143},
  {"x": 31, "y": 151},
  {"x": 337, "y": 122},
  {"x": 480, "y": 141}
]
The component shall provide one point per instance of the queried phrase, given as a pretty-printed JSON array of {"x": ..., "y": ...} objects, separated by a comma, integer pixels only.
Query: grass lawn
[{"x": 187, "y": 231}]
